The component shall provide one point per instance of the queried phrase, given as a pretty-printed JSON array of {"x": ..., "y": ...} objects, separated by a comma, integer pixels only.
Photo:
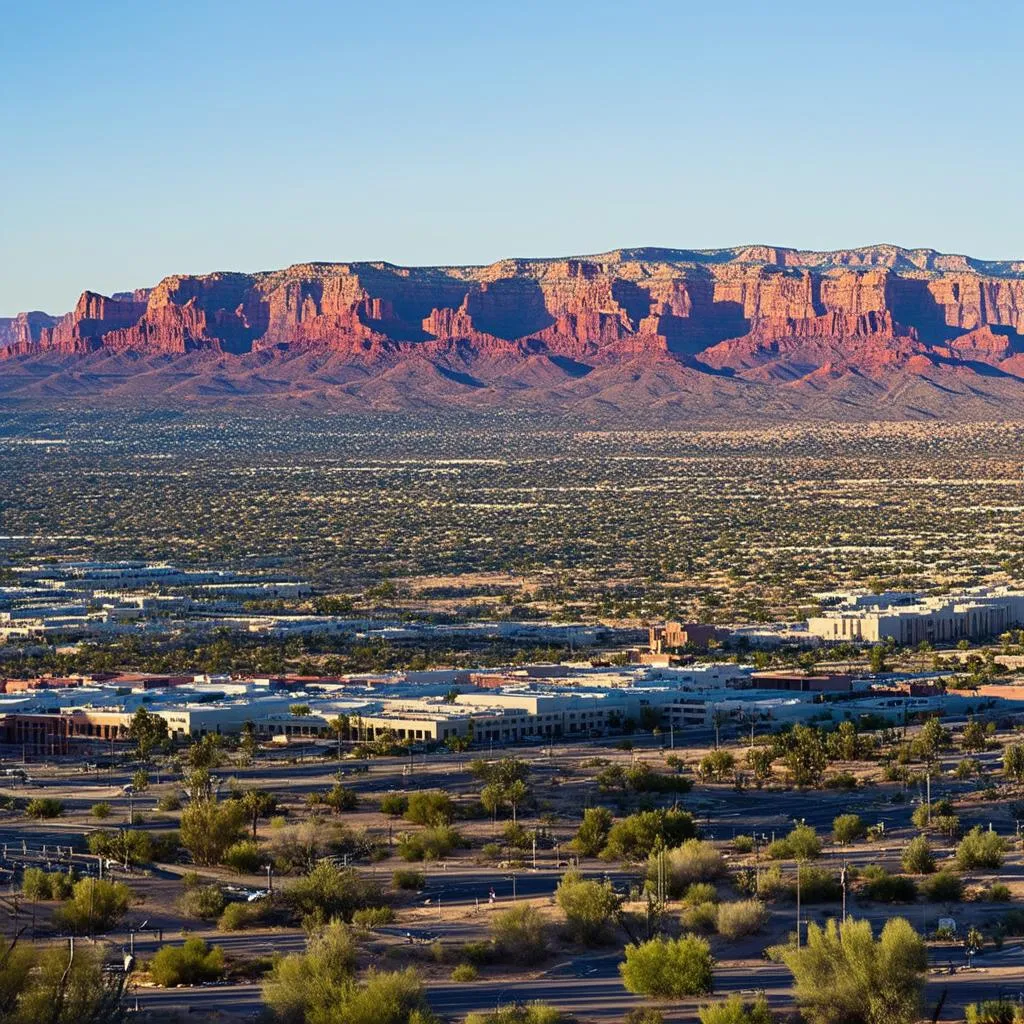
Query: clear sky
[{"x": 142, "y": 139}]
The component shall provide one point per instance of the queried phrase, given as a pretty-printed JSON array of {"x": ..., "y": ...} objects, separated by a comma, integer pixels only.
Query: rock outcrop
[{"x": 756, "y": 313}]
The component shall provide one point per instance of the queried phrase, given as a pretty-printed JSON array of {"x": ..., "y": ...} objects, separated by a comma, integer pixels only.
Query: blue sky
[{"x": 143, "y": 139}]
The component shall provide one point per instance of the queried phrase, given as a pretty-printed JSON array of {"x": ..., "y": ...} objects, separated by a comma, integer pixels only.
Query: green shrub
[
  {"x": 44, "y": 807},
  {"x": 669, "y": 968},
  {"x": 879, "y": 885},
  {"x": 35, "y": 884},
  {"x": 465, "y": 972},
  {"x": 644, "y": 1015},
  {"x": 992, "y": 1011},
  {"x": 980, "y": 849},
  {"x": 922, "y": 816},
  {"x": 848, "y": 828},
  {"x": 38, "y": 884},
  {"x": 169, "y": 802},
  {"x": 478, "y": 953},
  {"x": 519, "y": 934},
  {"x": 329, "y": 891},
  {"x": 339, "y": 798},
  {"x": 635, "y": 838},
  {"x": 589, "y": 906},
  {"x": 770, "y": 884},
  {"x": 743, "y": 844},
  {"x": 917, "y": 857},
  {"x": 407, "y": 878},
  {"x": 817, "y": 885},
  {"x": 430, "y": 807},
  {"x": 840, "y": 780},
  {"x": 100, "y": 810},
  {"x": 700, "y": 917},
  {"x": 693, "y": 861},
  {"x": 997, "y": 892},
  {"x": 735, "y": 1011},
  {"x": 239, "y": 916},
  {"x": 189, "y": 964},
  {"x": 943, "y": 887},
  {"x": 244, "y": 857},
  {"x": 520, "y": 1013},
  {"x": 203, "y": 901},
  {"x": 742, "y": 918},
  {"x": 394, "y": 804},
  {"x": 96, "y": 905},
  {"x": 431, "y": 844},
  {"x": 700, "y": 892},
  {"x": 373, "y": 917}
]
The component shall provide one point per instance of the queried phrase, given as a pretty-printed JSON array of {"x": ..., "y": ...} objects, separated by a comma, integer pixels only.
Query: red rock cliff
[{"x": 727, "y": 310}]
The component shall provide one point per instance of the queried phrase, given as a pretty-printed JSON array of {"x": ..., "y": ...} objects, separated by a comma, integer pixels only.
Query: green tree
[
  {"x": 973, "y": 740},
  {"x": 517, "y": 792},
  {"x": 493, "y": 798},
  {"x": 208, "y": 828},
  {"x": 844, "y": 744},
  {"x": 805, "y": 756},
  {"x": 933, "y": 739},
  {"x": 205, "y": 754},
  {"x": 258, "y": 804},
  {"x": 43, "y": 986},
  {"x": 148, "y": 730},
  {"x": 759, "y": 761},
  {"x": 1013, "y": 762},
  {"x": 592, "y": 835},
  {"x": 803, "y": 843},
  {"x": 669, "y": 968},
  {"x": 305, "y": 983},
  {"x": 635, "y": 838},
  {"x": 843, "y": 974},
  {"x": 96, "y": 905},
  {"x": 877, "y": 658},
  {"x": 718, "y": 765},
  {"x": 589, "y": 906},
  {"x": 247, "y": 743},
  {"x": 328, "y": 892}
]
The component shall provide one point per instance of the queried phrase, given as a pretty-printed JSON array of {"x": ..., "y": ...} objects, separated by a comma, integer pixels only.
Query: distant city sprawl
[{"x": 503, "y": 722}]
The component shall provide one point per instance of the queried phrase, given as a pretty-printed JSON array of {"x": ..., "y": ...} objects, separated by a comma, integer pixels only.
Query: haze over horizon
[{"x": 237, "y": 138}]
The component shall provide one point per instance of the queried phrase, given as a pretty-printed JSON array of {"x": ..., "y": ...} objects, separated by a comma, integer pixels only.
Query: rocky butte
[{"x": 655, "y": 334}]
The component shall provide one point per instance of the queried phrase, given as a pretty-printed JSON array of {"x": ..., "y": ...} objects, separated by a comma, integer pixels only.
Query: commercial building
[{"x": 972, "y": 615}]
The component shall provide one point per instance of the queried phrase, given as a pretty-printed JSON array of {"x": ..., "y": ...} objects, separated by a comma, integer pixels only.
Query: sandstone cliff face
[
  {"x": 24, "y": 331},
  {"x": 752, "y": 311}
]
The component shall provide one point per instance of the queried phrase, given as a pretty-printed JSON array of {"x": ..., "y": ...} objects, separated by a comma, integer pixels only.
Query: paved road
[{"x": 591, "y": 987}]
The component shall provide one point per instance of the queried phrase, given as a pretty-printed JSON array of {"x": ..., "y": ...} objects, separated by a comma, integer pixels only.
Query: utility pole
[
  {"x": 928, "y": 785},
  {"x": 798, "y": 904},
  {"x": 842, "y": 882}
]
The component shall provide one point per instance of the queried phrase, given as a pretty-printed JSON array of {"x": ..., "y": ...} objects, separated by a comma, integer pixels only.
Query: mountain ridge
[{"x": 875, "y": 330}]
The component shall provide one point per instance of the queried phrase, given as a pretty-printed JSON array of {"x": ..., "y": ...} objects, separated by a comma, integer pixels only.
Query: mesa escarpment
[{"x": 757, "y": 313}]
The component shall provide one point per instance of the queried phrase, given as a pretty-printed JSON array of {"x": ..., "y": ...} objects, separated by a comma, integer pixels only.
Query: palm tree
[
  {"x": 258, "y": 804},
  {"x": 339, "y": 726}
]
